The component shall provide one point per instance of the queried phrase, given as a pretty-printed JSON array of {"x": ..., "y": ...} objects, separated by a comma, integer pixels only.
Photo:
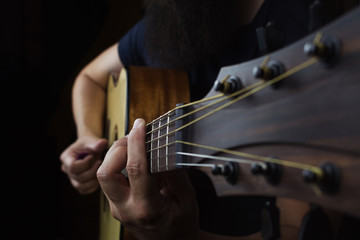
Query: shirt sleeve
[{"x": 131, "y": 48}]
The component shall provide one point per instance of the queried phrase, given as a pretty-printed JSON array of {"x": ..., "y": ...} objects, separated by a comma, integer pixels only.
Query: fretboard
[{"x": 160, "y": 143}]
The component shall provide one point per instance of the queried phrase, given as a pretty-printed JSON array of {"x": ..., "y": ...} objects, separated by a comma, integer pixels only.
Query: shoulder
[{"x": 131, "y": 46}]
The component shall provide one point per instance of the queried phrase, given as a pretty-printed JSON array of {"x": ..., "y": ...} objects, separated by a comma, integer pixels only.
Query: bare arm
[
  {"x": 82, "y": 158},
  {"x": 89, "y": 92}
]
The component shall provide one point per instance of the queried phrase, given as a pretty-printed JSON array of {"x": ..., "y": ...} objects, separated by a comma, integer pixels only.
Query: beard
[{"x": 183, "y": 34}]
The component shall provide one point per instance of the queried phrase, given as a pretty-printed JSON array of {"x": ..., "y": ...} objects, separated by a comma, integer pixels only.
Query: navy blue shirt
[
  {"x": 238, "y": 215},
  {"x": 289, "y": 17}
]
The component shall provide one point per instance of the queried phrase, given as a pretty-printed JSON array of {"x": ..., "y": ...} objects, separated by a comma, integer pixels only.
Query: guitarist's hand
[
  {"x": 151, "y": 206},
  {"x": 81, "y": 160}
]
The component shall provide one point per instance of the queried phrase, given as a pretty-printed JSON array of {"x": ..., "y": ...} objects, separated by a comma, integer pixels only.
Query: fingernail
[{"x": 137, "y": 123}]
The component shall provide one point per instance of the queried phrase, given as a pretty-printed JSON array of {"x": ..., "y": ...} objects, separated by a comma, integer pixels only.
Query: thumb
[{"x": 99, "y": 146}]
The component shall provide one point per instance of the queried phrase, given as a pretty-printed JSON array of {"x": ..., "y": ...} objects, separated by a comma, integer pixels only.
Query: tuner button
[
  {"x": 216, "y": 169},
  {"x": 256, "y": 169},
  {"x": 235, "y": 84},
  {"x": 269, "y": 71},
  {"x": 328, "y": 180},
  {"x": 258, "y": 72},
  {"x": 309, "y": 176},
  {"x": 228, "y": 85},
  {"x": 310, "y": 49},
  {"x": 271, "y": 171},
  {"x": 218, "y": 86},
  {"x": 328, "y": 49}
]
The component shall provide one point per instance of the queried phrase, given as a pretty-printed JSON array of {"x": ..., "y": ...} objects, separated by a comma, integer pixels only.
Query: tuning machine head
[
  {"x": 328, "y": 179},
  {"x": 230, "y": 171},
  {"x": 271, "y": 171},
  {"x": 269, "y": 71},
  {"x": 328, "y": 49},
  {"x": 229, "y": 84}
]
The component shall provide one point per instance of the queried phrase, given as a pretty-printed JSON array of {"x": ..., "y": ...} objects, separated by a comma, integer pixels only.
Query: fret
[
  {"x": 163, "y": 143},
  {"x": 167, "y": 142},
  {"x": 158, "y": 145},
  {"x": 170, "y": 149},
  {"x": 151, "y": 147}
]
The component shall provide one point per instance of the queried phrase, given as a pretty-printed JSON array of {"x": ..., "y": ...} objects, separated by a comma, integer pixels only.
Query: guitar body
[
  {"x": 136, "y": 92},
  {"x": 110, "y": 228}
]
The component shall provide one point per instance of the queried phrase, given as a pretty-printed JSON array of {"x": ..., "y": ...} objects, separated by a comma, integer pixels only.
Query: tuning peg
[
  {"x": 230, "y": 171},
  {"x": 328, "y": 49},
  {"x": 271, "y": 171},
  {"x": 269, "y": 71},
  {"x": 228, "y": 85},
  {"x": 310, "y": 176},
  {"x": 328, "y": 180}
]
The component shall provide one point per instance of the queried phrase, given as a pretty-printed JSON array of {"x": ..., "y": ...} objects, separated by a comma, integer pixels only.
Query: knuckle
[
  {"x": 144, "y": 216},
  {"x": 134, "y": 170},
  {"x": 102, "y": 175}
]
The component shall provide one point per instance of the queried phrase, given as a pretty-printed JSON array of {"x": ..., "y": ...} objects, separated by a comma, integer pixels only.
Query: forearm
[
  {"x": 89, "y": 92},
  {"x": 88, "y": 106}
]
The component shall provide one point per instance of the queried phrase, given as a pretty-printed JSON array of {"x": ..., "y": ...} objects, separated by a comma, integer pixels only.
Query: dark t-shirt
[
  {"x": 235, "y": 215},
  {"x": 289, "y": 17}
]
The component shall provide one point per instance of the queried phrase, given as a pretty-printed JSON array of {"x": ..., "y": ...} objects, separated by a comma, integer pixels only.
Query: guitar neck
[{"x": 161, "y": 136}]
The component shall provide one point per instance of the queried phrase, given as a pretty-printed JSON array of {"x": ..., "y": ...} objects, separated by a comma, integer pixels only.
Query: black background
[{"x": 43, "y": 46}]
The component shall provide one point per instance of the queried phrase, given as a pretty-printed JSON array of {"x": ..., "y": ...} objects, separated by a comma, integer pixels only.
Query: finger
[
  {"x": 142, "y": 184},
  {"x": 81, "y": 166},
  {"x": 112, "y": 181},
  {"x": 87, "y": 174},
  {"x": 75, "y": 153},
  {"x": 95, "y": 149},
  {"x": 86, "y": 187},
  {"x": 67, "y": 158},
  {"x": 99, "y": 147},
  {"x": 71, "y": 160}
]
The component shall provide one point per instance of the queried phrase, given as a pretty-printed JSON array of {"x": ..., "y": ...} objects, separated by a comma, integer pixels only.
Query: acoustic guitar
[{"x": 285, "y": 125}]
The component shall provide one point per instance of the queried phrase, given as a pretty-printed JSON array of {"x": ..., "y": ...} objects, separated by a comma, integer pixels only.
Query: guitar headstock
[{"x": 286, "y": 124}]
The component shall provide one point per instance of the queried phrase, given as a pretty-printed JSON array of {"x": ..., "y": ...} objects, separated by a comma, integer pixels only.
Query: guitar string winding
[{"x": 246, "y": 92}]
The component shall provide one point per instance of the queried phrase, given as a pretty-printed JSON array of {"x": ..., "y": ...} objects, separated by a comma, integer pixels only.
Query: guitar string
[
  {"x": 187, "y": 105},
  {"x": 318, "y": 171},
  {"x": 316, "y": 40},
  {"x": 201, "y": 108},
  {"x": 246, "y": 156},
  {"x": 183, "y": 106},
  {"x": 315, "y": 169},
  {"x": 246, "y": 94},
  {"x": 225, "y": 97},
  {"x": 205, "y": 156}
]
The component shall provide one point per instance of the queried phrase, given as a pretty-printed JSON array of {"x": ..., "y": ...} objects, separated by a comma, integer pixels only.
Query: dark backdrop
[{"x": 43, "y": 46}]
